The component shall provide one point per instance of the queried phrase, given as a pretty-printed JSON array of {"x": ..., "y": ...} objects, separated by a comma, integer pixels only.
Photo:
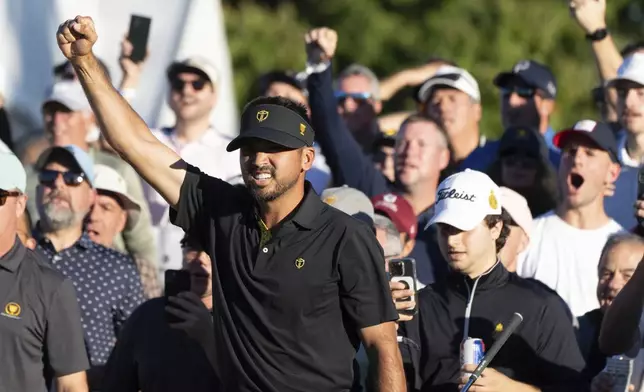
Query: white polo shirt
[{"x": 209, "y": 154}]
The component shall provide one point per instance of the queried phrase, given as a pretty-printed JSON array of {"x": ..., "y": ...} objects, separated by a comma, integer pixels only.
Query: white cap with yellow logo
[{"x": 464, "y": 199}]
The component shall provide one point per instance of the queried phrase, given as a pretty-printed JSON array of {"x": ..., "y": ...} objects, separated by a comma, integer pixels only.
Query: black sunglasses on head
[
  {"x": 5, "y": 194},
  {"x": 177, "y": 84},
  {"x": 48, "y": 177}
]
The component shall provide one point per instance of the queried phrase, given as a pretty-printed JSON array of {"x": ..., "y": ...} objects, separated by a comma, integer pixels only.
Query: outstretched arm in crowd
[
  {"x": 591, "y": 16},
  {"x": 126, "y": 132}
]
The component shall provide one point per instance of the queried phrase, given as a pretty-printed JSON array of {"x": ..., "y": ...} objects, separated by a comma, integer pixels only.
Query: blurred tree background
[{"x": 483, "y": 36}]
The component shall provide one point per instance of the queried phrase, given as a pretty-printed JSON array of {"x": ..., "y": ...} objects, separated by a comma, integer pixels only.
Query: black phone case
[
  {"x": 176, "y": 281},
  {"x": 138, "y": 35},
  {"x": 412, "y": 274}
]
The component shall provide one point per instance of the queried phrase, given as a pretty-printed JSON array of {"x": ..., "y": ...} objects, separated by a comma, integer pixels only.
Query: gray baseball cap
[{"x": 350, "y": 201}]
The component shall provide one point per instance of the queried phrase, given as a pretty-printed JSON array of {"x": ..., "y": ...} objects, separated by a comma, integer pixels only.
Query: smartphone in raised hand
[{"x": 138, "y": 36}]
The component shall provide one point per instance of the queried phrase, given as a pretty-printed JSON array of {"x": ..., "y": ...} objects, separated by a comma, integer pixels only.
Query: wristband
[{"x": 597, "y": 35}]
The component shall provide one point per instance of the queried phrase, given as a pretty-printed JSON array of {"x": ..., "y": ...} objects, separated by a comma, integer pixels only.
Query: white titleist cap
[
  {"x": 632, "y": 70},
  {"x": 464, "y": 199},
  {"x": 450, "y": 76}
]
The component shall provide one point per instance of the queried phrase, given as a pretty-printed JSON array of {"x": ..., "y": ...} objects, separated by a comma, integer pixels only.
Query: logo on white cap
[
  {"x": 585, "y": 125},
  {"x": 464, "y": 199}
]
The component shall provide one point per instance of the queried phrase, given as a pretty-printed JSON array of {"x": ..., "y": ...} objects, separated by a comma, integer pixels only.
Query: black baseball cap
[
  {"x": 599, "y": 132},
  {"x": 525, "y": 140},
  {"x": 273, "y": 123},
  {"x": 286, "y": 77},
  {"x": 532, "y": 73}
]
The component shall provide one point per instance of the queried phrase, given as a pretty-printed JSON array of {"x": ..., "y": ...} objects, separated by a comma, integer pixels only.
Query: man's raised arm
[{"x": 122, "y": 127}]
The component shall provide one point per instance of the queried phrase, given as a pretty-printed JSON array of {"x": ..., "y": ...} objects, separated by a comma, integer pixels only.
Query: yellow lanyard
[{"x": 265, "y": 232}]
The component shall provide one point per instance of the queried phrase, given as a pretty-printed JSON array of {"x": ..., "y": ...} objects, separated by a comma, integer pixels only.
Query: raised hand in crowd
[
  {"x": 589, "y": 14},
  {"x": 131, "y": 70},
  {"x": 321, "y": 42},
  {"x": 196, "y": 319}
]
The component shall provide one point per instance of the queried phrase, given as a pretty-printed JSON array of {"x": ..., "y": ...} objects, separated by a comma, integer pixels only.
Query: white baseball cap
[
  {"x": 350, "y": 201},
  {"x": 192, "y": 64},
  {"x": 464, "y": 199},
  {"x": 69, "y": 94},
  {"x": 12, "y": 174},
  {"x": 109, "y": 181},
  {"x": 448, "y": 75},
  {"x": 632, "y": 69}
]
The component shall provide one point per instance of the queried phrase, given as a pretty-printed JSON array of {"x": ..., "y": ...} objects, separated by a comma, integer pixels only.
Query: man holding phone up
[
  {"x": 479, "y": 296},
  {"x": 297, "y": 284}
]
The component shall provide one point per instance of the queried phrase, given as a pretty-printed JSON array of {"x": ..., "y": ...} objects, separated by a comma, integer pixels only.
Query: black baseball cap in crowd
[
  {"x": 599, "y": 132},
  {"x": 273, "y": 123},
  {"x": 533, "y": 74},
  {"x": 524, "y": 140},
  {"x": 286, "y": 77}
]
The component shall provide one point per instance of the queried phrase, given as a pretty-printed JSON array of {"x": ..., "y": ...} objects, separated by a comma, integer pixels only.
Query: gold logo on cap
[
  {"x": 12, "y": 309},
  {"x": 262, "y": 115},
  {"x": 302, "y": 129},
  {"x": 299, "y": 263},
  {"x": 330, "y": 199},
  {"x": 498, "y": 328},
  {"x": 493, "y": 202}
]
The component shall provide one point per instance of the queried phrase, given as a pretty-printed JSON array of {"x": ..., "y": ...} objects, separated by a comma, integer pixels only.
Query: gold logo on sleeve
[
  {"x": 299, "y": 263},
  {"x": 12, "y": 309}
]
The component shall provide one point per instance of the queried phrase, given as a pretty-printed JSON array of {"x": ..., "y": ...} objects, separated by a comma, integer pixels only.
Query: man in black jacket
[{"x": 479, "y": 296}]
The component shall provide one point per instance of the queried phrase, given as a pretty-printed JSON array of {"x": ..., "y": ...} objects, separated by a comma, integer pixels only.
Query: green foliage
[{"x": 483, "y": 36}]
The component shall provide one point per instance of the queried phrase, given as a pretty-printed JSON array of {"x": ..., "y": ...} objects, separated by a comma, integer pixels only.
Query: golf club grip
[{"x": 517, "y": 318}]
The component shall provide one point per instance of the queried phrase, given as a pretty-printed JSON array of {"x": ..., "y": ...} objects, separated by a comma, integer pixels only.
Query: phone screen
[{"x": 138, "y": 36}]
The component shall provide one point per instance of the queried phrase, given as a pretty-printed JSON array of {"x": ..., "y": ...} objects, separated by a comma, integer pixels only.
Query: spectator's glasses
[
  {"x": 523, "y": 92},
  {"x": 359, "y": 98},
  {"x": 197, "y": 85},
  {"x": 5, "y": 194},
  {"x": 48, "y": 177}
]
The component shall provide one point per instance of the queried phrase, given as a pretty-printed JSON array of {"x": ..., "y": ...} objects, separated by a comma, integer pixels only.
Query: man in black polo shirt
[
  {"x": 296, "y": 284},
  {"x": 41, "y": 338}
]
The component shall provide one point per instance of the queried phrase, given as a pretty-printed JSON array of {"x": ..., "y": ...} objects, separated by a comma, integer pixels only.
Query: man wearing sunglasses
[
  {"x": 107, "y": 283},
  {"x": 528, "y": 93},
  {"x": 358, "y": 100},
  {"x": 192, "y": 98},
  {"x": 38, "y": 308},
  {"x": 68, "y": 120}
]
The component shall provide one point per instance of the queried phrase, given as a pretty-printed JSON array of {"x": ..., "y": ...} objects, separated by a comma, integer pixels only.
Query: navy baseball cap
[
  {"x": 524, "y": 140},
  {"x": 82, "y": 159},
  {"x": 533, "y": 74},
  {"x": 600, "y": 133},
  {"x": 273, "y": 123}
]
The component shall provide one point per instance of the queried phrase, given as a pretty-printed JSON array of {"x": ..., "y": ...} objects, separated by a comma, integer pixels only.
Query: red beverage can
[{"x": 472, "y": 352}]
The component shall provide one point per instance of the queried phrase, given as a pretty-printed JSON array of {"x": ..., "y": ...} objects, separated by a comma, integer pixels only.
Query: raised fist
[
  {"x": 323, "y": 39},
  {"x": 76, "y": 37}
]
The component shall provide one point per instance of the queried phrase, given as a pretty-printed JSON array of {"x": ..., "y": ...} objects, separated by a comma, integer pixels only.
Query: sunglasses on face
[
  {"x": 178, "y": 84},
  {"x": 5, "y": 194},
  {"x": 48, "y": 177},
  {"x": 523, "y": 92},
  {"x": 359, "y": 98}
]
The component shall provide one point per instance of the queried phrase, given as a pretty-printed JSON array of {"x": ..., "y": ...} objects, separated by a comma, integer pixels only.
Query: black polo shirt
[
  {"x": 40, "y": 326},
  {"x": 151, "y": 356},
  {"x": 291, "y": 308}
]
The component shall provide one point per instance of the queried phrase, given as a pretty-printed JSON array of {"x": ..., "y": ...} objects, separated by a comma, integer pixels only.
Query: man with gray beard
[{"x": 107, "y": 283}]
